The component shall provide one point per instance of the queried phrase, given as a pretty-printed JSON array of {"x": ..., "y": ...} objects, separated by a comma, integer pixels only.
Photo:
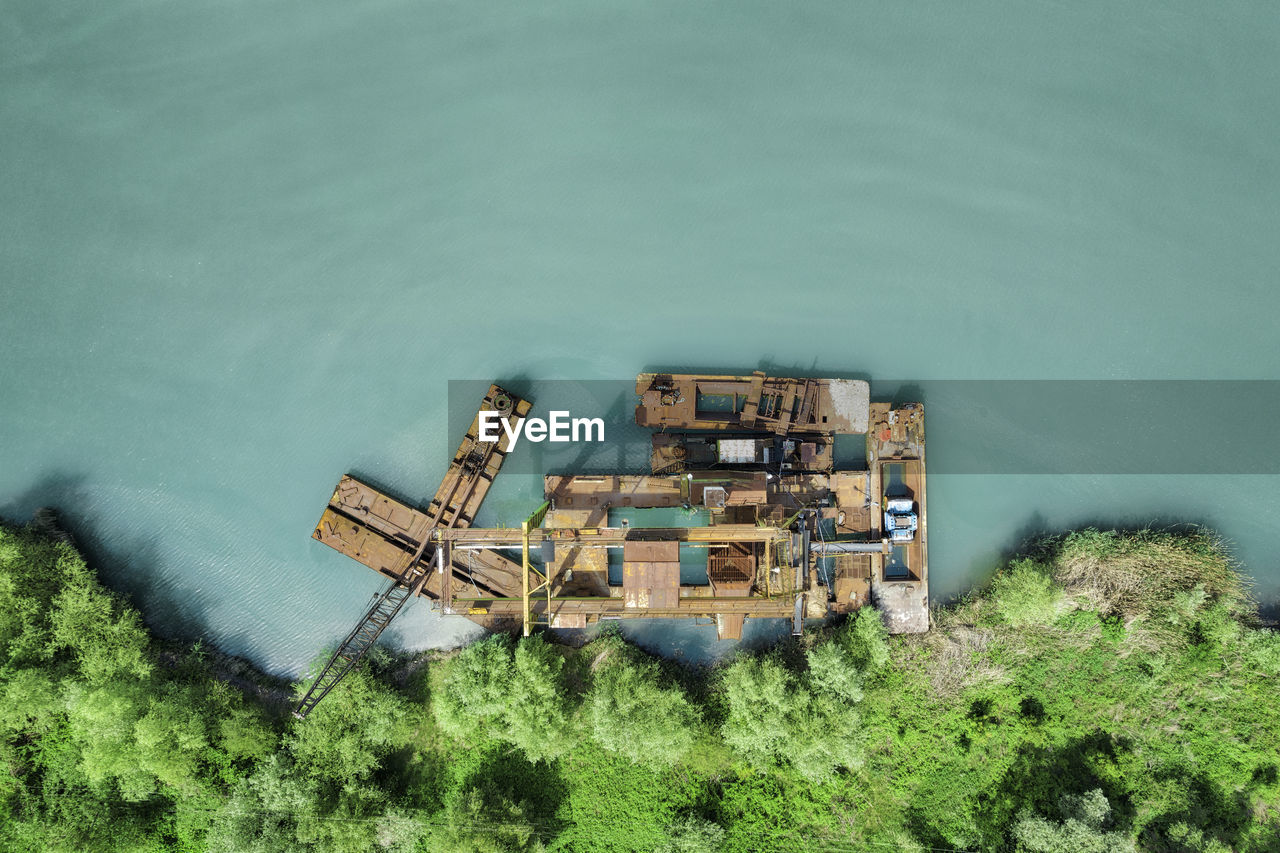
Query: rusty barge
[{"x": 789, "y": 535}]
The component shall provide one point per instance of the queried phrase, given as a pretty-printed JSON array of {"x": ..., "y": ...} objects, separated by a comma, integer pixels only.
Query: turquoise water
[{"x": 243, "y": 247}]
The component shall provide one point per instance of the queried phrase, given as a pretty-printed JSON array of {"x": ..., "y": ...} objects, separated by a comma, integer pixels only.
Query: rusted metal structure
[
  {"x": 675, "y": 452},
  {"x": 395, "y": 539},
  {"x": 895, "y": 451},
  {"x": 752, "y": 403},
  {"x": 384, "y": 533},
  {"x": 789, "y": 535},
  {"x": 568, "y": 587},
  {"x": 384, "y": 607}
]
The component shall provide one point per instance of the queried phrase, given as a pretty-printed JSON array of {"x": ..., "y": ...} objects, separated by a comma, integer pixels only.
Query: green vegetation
[
  {"x": 631, "y": 713},
  {"x": 1106, "y": 692},
  {"x": 1084, "y": 828}
]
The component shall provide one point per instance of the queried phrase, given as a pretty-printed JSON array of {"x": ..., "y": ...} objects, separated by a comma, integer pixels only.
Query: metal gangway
[{"x": 382, "y": 610}]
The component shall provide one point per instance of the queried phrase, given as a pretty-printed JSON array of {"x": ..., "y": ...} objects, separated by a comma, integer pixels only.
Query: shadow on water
[
  {"x": 373, "y": 481},
  {"x": 1269, "y": 613},
  {"x": 612, "y": 456},
  {"x": 983, "y": 567},
  {"x": 128, "y": 565},
  {"x": 59, "y": 491},
  {"x": 520, "y": 384},
  {"x": 771, "y": 368}
]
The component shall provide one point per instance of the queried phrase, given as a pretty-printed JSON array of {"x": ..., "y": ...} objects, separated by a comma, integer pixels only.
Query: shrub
[
  {"x": 477, "y": 689},
  {"x": 1024, "y": 594},
  {"x": 759, "y": 693},
  {"x": 774, "y": 720},
  {"x": 343, "y": 740},
  {"x": 474, "y": 823},
  {"x": 101, "y": 722},
  {"x": 537, "y": 719},
  {"x": 245, "y": 734},
  {"x": 170, "y": 738},
  {"x": 106, "y": 638},
  {"x": 692, "y": 834},
  {"x": 109, "y": 741},
  {"x": 519, "y": 698},
  {"x": 833, "y": 671},
  {"x": 1083, "y": 828},
  {"x": 867, "y": 640},
  {"x": 1138, "y": 573},
  {"x": 632, "y": 714},
  {"x": 1185, "y": 605},
  {"x": 1217, "y": 628},
  {"x": 1262, "y": 648},
  {"x": 264, "y": 811},
  {"x": 826, "y": 734}
]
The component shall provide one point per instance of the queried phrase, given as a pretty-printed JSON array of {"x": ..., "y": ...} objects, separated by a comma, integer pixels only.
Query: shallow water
[{"x": 245, "y": 246}]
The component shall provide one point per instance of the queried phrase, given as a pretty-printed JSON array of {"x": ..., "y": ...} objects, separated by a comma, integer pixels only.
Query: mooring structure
[{"x": 790, "y": 535}]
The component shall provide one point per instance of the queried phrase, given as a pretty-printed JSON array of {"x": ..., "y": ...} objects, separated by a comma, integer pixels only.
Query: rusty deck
[
  {"x": 788, "y": 535},
  {"x": 752, "y": 403},
  {"x": 385, "y": 534},
  {"x": 896, "y": 456},
  {"x": 742, "y": 561}
]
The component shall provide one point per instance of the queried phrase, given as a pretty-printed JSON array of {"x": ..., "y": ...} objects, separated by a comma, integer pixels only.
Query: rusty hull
[
  {"x": 754, "y": 567},
  {"x": 752, "y": 403},
  {"x": 384, "y": 534},
  {"x": 897, "y": 438}
]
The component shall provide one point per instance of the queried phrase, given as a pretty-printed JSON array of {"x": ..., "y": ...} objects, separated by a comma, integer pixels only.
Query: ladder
[{"x": 382, "y": 610}]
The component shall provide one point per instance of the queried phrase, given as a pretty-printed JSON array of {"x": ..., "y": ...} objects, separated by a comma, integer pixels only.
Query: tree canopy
[{"x": 1107, "y": 692}]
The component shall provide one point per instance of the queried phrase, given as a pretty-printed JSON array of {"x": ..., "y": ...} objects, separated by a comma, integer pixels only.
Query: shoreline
[{"x": 1053, "y": 687}]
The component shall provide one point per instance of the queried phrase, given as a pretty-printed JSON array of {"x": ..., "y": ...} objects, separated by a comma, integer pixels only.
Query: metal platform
[
  {"x": 788, "y": 536},
  {"x": 752, "y": 403}
]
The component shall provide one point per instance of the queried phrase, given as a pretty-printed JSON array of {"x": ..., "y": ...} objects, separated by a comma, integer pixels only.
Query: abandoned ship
[{"x": 789, "y": 535}]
